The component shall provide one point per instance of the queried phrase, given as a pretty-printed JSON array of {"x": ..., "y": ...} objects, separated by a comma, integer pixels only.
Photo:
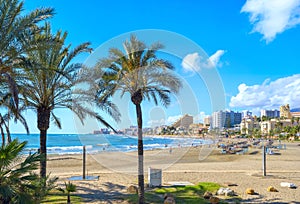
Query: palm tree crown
[
  {"x": 139, "y": 72},
  {"x": 14, "y": 30}
]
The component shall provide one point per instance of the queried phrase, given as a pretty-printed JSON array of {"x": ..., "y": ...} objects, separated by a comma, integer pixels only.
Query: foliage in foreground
[
  {"x": 57, "y": 197},
  {"x": 18, "y": 182},
  {"x": 182, "y": 194},
  {"x": 69, "y": 188}
]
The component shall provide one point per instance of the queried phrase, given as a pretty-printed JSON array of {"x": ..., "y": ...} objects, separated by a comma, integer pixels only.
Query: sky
[{"x": 251, "y": 47}]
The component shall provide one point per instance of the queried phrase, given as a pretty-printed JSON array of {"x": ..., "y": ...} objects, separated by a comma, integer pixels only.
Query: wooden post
[
  {"x": 264, "y": 160},
  {"x": 83, "y": 162}
]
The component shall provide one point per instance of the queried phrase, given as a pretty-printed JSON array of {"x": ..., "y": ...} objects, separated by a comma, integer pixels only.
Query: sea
[{"x": 95, "y": 143}]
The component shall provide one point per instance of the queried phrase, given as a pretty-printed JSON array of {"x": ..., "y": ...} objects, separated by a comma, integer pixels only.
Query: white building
[
  {"x": 267, "y": 126},
  {"x": 227, "y": 119},
  {"x": 248, "y": 125},
  {"x": 207, "y": 120},
  {"x": 218, "y": 119}
]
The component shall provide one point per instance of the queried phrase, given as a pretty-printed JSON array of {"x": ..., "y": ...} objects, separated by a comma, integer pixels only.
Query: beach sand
[{"x": 117, "y": 171}]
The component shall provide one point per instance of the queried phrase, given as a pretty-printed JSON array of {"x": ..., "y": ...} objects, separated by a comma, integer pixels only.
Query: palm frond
[
  {"x": 56, "y": 120},
  {"x": 9, "y": 153}
]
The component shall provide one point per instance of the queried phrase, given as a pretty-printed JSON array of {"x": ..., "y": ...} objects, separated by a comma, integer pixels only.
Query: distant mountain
[{"x": 295, "y": 110}]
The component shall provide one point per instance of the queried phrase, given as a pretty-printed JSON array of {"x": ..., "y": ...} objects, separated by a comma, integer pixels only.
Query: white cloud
[
  {"x": 200, "y": 117},
  {"x": 191, "y": 62},
  {"x": 271, "y": 17},
  {"x": 194, "y": 62},
  {"x": 268, "y": 95},
  {"x": 214, "y": 60},
  {"x": 156, "y": 123},
  {"x": 159, "y": 122},
  {"x": 173, "y": 119}
]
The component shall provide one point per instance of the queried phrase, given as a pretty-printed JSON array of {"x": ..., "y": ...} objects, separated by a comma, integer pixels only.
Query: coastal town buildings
[
  {"x": 270, "y": 113},
  {"x": 268, "y": 126},
  {"x": 207, "y": 120},
  {"x": 295, "y": 114},
  {"x": 285, "y": 111},
  {"x": 246, "y": 114},
  {"x": 225, "y": 119},
  {"x": 185, "y": 121},
  {"x": 248, "y": 125},
  {"x": 199, "y": 128}
]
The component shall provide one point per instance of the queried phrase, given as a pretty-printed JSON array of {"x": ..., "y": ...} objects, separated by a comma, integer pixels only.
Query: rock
[
  {"x": 250, "y": 191},
  {"x": 214, "y": 200},
  {"x": 132, "y": 189},
  {"x": 207, "y": 195},
  {"x": 287, "y": 184},
  {"x": 225, "y": 191},
  {"x": 272, "y": 189},
  {"x": 169, "y": 199},
  {"x": 230, "y": 184}
]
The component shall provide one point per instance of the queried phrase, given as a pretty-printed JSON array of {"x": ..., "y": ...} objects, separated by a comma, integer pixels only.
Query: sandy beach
[{"x": 117, "y": 170}]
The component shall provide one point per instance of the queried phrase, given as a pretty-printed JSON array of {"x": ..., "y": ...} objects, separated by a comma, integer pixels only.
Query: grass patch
[
  {"x": 182, "y": 194},
  {"x": 150, "y": 197},
  {"x": 57, "y": 197}
]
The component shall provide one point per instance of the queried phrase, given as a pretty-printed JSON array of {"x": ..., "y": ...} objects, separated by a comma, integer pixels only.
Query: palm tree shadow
[
  {"x": 108, "y": 192},
  {"x": 273, "y": 201}
]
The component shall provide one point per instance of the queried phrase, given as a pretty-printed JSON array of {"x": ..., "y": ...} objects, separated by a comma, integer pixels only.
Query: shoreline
[{"x": 126, "y": 144}]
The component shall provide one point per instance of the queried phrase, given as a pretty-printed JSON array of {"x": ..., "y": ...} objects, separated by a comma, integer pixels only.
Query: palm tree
[
  {"x": 143, "y": 75},
  {"x": 17, "y": 178},
  {"x": 14, "y": 30},
  {"x": 69, "y": 188},
  {"x": 50, "y": 83}
]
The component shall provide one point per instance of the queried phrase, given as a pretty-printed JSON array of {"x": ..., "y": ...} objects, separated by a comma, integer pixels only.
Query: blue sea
[{"x": 73, "y": 143}]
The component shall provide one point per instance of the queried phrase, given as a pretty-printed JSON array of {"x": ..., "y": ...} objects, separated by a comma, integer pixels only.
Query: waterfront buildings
[
  {"x": 270, "y": 113},
  {"x": 248, "y": 125},
  {"x": 225, "y": 119},
  {"x": 268, "y": 126},
  {"x": 207, "y": 121},
  {"x": 285, "y": 111},
  {"x": 246, "y": 114},
  {"x": 185, "y": 121}
]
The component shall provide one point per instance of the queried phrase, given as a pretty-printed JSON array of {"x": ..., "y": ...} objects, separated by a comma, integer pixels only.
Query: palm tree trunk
[
  {"x": 68, "y": 198},
  {"x": 43, "y": 151},
  {"x": 7, "y": 133},
  {"x": 140, "y": 154},
  {"x": 3, "y": 136},
  {"x": 43, "y": 125}
]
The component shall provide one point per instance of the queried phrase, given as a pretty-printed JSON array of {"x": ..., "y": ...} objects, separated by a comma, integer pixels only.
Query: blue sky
[{"x": 253, "y": 45}]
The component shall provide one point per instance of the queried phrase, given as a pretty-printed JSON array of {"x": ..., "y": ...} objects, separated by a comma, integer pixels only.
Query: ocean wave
[
  {"x": 73, "y": 144},
  {"x": 65, "y": 148}
]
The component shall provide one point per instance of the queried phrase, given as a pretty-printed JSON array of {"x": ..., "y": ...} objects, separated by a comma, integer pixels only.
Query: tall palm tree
[
  {"x": 50, "y": 83},
  {"x": 14, "y": 30},
  {"x": 143, "y": 75}
]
